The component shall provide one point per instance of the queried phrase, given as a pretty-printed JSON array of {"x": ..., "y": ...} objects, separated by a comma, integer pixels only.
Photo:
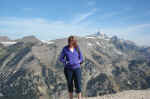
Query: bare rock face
[
  {"x": 29, "y": 39},
  {"x": 4, "y": 39},
  {"x": 31, "y": 68}
]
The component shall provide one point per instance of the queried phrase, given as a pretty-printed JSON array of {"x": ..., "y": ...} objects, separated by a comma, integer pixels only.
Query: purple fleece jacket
[{"x": 71, "y": 59}]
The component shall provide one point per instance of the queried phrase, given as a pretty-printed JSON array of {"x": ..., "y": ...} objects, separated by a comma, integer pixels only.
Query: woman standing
[{"x": 71, "y": 57}]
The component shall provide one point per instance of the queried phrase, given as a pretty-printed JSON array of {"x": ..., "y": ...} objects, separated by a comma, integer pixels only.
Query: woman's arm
[
  {"x": 80, "y": 55},
  {"x": 62, "y": 56}
]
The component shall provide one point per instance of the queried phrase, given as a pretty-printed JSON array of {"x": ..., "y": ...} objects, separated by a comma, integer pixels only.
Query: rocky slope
[
  {"x": 130, "y": 94},
  {"x": 30, "y": 68}
]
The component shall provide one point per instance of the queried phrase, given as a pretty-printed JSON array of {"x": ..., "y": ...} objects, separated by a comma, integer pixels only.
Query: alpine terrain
[{"x": 30, "y": 68}]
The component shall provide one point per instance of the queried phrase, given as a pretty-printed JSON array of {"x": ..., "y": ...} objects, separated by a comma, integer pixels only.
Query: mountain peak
[
  {"x": 98, "y": 33},
  {"x": 4, "y": 39},
  {"x": 30, "y": 38}
]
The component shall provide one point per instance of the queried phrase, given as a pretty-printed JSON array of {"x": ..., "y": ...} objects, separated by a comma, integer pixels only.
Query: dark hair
[{"x": 72, "y": 39}]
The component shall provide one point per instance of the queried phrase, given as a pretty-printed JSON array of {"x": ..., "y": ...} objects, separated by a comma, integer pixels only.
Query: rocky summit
[{"x": 30, "y": 69}]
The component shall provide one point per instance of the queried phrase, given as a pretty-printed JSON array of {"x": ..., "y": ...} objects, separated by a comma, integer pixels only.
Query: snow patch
[
  {"x": 98, "y": 43},
  {"x": 8, "y": 43},
  {"x": 47, "y": 42},
  {"x": 90, "y": 37},
  {"x": 89, "y": 44},
  {"x": 118, "y": 52},
  {"x": 107, "y": 39}
]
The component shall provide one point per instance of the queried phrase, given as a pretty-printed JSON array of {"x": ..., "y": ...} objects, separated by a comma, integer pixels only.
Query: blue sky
[{"x": 51, "y": 19}]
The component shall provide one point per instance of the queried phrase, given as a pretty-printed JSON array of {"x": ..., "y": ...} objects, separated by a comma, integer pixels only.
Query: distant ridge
[{"x": 4, "y": 39}]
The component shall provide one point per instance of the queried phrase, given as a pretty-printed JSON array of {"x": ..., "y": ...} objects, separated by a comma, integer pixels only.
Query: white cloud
[
  {"x": 44, "y": 29},
  {"x": 47, "y": 29},
  {"x": 81, "y": 17},
  {"x": 138, "y": 27},
  {"x": 139, "y": 33}
]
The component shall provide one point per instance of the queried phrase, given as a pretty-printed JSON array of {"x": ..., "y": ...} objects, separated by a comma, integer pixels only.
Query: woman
[{"x": 71, "y": 57}]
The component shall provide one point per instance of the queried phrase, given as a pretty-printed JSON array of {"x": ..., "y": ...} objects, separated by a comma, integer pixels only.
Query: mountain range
[{"x": 30, "y": 68}]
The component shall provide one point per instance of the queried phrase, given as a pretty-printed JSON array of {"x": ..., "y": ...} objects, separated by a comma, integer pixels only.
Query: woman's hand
[
  {"x": 79, "y": 61},
  {"x": 67, "y": 62}
]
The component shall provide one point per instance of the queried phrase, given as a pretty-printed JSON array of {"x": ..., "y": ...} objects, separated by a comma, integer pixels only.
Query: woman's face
[{"x": 71, "y": 43}]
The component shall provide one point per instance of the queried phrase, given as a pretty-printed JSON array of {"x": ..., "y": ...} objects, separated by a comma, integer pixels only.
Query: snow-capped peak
[{"x": 47, "y": 42}]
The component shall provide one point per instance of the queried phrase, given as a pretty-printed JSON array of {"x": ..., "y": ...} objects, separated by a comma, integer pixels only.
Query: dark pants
[{"x": 73, "y": 75}]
